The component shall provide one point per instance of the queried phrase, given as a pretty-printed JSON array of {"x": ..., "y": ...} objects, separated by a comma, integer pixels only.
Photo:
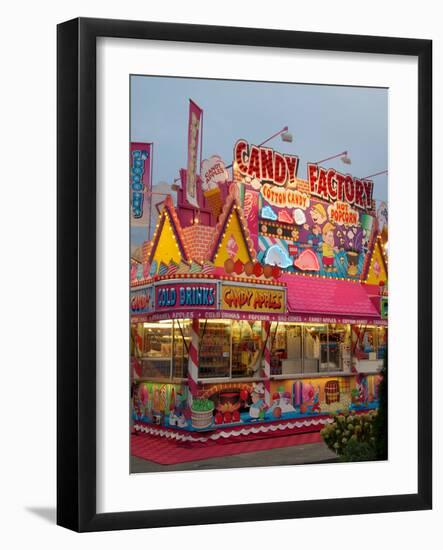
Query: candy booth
[{"x": 259, "y": 305}]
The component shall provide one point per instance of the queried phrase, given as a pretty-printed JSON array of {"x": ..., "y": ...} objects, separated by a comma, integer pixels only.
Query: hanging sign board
[
  {"x": 259, "y": 300},
  {"x": 141, "y": 301},
  {"x": 187, "y": 295}
]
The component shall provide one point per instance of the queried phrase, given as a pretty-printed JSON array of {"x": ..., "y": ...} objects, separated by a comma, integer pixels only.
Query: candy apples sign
[
  {"x": 253, "y": 299},
  {"x": 213, "y": 171}
]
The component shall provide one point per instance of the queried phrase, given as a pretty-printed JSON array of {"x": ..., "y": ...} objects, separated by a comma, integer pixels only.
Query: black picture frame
[{"x": 76, "y": 281}]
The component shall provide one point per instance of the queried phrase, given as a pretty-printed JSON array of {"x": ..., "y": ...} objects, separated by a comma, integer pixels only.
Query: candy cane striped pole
[
  {"x": 193, "y": 361},
  {"x": 267, "y": 360}
]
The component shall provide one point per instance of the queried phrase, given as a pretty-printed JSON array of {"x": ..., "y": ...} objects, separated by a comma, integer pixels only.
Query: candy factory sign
[
  {"x": 264, "y": 164},
  {"x": 253, "y": 299},
  {"x": 186, "y": 295},
  {"x": 330, "y": 185},
  {"x": 275, "y": 174}
]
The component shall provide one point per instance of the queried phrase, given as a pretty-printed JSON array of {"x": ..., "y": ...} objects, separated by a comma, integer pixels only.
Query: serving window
[
  {"x": 286, "y": 348},
  {"x": 369, "y": 347},
  {"x": 162, "y": 348},
  {"x": 309, "y": 349},
  {"x": 154, "y": 343},
  {"x": 235, "y": 349},
  {"x": 247, "y": 348}
]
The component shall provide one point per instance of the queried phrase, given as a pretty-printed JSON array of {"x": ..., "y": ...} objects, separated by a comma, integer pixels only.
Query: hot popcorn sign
[{"x": 341, "y": 213}]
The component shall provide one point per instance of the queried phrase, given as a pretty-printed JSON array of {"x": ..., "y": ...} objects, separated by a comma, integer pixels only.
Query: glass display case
[
  {"x": 155, "y": 356},
  {"x": 180, "y": 350},
  {"x": 214, "y": 349},
  {"x": 247, "y": 344}
]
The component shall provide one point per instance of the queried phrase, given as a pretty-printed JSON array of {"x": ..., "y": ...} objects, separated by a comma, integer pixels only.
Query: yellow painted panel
[
  {"x": 232, "y": 231},
  {"x": 167, "y": 248},
  {"x": 377, "y": 271}
]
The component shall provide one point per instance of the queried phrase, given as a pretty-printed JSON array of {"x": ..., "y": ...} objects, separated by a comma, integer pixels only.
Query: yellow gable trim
[
  {"x": 167, "y": 248},
  {"x": 233, "y": 230},
  {"x": 377, "y": 271}
]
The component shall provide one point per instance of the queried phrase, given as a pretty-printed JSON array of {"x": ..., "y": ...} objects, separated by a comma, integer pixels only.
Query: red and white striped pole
[
  {"x": 267, "y": 360},
  {"x": 193, "y": 361}
]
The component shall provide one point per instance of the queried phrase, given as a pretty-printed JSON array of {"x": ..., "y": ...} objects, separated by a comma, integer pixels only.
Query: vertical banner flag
[
  {"x": 194, "y": 128},
  {"x": 140, "y": 163}
]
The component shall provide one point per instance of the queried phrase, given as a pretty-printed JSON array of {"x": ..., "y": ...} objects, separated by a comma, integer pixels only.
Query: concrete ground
[{"x": 310, "y": 453}]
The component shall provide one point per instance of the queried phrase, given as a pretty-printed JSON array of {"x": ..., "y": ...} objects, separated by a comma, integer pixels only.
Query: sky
[{"x": 324, "y": 120}]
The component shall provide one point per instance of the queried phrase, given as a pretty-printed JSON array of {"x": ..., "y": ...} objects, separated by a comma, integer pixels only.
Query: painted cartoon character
[
  {"x": 257, "y": 408},
  {"x": 313, "y": 232},
  {"x": 177, "y": 416},
  {"x": 316, "y": 404},
  {"x": 314, "y": 236},
  {"x": 362, "y": 387},
  {"x": 318, "y": 214},
  {"x": 328, "y": 247}
]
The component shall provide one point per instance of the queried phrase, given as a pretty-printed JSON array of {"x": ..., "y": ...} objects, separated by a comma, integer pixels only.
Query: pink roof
[{"x": 318, "y": 296}]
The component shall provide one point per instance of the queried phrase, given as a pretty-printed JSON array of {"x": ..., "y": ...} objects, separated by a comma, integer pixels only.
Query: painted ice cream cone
[{"x": 214, "y": 199}]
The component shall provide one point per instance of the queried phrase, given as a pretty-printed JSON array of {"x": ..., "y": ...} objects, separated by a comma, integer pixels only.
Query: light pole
[
  {"x": 376, "y": 174},
  {"x": 286, "y": 136},
  {"x": 284, "y": 133},
  {"x": 343, "y": 157}
]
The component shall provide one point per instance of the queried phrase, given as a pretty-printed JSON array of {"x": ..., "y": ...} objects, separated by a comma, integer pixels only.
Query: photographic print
[{"x": 258, "y": 273}]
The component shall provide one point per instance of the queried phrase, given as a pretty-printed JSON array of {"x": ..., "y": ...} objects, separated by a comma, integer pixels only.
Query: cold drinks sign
[
  {"x": 275, "y": 174},
  {"x": 186, "y": 296}
]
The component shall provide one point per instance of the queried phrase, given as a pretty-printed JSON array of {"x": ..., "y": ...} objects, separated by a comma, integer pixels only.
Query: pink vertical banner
[
  {"x": 194, "y": 127},
  {"x": 140, "y": 183},
  {"x": 250, "y": 209}
]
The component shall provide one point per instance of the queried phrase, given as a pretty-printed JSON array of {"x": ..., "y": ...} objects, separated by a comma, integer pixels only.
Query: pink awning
[{"x": 315, "y": 296}]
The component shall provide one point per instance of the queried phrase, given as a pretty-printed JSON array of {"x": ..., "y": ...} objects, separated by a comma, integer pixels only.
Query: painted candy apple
[
  {"x": 277, "y": 412},
  {"x": 249, "y": 268},
  {"x": 238, "y": 267},
  {"x": 258, "y": 270},
  {"x": 227, "y": 417},
  {"x": 267, "y": 271},
  {"x": 229, "y": 265},
  {"x": 218, "y": 419},
  {"x": 235, "y": 416},
  {"x": 244, "y": 395}
]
